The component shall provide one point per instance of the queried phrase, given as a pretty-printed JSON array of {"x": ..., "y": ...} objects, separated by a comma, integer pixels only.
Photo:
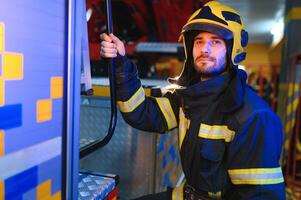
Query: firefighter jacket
[{"x": 230, "y": 140}]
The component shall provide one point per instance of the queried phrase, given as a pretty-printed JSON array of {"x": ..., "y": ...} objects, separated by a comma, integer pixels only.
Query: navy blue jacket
[{"x": 230, "y": 141}]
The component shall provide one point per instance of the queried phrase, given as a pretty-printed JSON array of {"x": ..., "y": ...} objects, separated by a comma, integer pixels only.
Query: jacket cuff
[{"x": 125, "y": 70}]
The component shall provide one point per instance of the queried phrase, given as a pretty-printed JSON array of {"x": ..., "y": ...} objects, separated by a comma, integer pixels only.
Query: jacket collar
[
  {"x": 234, "y": 94},
  {"x": 228, "y": 88}
]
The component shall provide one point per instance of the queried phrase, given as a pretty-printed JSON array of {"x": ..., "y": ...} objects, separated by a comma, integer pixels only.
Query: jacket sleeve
[
  {"x": 253, "y": 158},
  {"x": 142, "y": 112}
]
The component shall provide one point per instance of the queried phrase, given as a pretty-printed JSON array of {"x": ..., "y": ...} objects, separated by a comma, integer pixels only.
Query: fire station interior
[
  {"x": 146, "y": 163},
  {"x": 94, "y": 153}
]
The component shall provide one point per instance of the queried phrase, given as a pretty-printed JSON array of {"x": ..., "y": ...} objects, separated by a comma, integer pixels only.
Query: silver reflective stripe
[
  {"x": 167, "y": 111},
  {"x": 216, "y": 132},
  {"x": 133, "y": 102},
  {"x": 257, "y": 176}
]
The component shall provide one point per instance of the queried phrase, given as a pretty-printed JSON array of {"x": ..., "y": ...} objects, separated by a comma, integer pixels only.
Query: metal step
[{"x": 94, "y": 186}]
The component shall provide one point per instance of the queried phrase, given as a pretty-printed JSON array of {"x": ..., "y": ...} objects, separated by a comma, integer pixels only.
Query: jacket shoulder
[{"x": 252, "y": 104}]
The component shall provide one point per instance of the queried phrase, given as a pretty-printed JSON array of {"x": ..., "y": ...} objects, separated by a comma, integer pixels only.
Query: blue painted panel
[
  {"x": 51, "y": 170},
  {"x": 10, "y": 116},
  {"x": 30, "y": 195},
  {"x": 37, "y": 30},
  {"x": 19, "y": 184},
  {"x": 17, "y": 139}
]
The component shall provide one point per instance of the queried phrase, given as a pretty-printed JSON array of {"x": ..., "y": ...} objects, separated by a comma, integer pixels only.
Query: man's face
[{"x": 209, "y": 54}]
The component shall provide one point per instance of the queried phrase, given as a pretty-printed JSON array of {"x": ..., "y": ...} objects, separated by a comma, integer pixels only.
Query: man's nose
[{"x": 205, "y": 48}]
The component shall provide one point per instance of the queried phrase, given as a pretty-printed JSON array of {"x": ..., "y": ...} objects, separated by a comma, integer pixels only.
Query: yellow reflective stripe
[
  {"x": 215, "y": 195},
  {"x": 216, "y": 132},
  {"x": 290, "y": 125},
  {"x": 293, "y": 14},
  {"x": 257, "y": 176},
  {"x": 292, "y": 106},
  {"x": 177, "y": 193},
  {"x": 292, "y": 88},
  {"x": 133, "y": 102},
  {"x": 167, "y": 111},
  {"x": 183, "y": 126}
]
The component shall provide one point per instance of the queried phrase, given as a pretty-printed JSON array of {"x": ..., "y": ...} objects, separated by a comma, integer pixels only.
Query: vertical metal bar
[
  {"x": 288, "y": 80},
  {"x": 73, "y": 97},
  {"x": 274, "y": 87},
  {"x": 109, "y": 22},
  {"x": 296, "y": 138},
  {"x": 111, "y": 68},
  {"x": 260, "y": 81},
  {"x": 293, "y": 72},
  {"x": 298, "y": 128},
  {"x": 65, "y": 145}
]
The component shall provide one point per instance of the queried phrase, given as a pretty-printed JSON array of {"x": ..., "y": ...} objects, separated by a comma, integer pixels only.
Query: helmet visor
[{"x": 211, "y": 28}]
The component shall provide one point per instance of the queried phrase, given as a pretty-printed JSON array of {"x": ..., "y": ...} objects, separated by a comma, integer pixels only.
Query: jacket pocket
[{"x": 212, "y": 150}]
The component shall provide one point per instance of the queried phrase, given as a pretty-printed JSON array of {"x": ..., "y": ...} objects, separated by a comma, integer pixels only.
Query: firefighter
[{"x": 230, "y": 140}]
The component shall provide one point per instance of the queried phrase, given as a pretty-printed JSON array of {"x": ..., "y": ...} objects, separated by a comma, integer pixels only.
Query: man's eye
[
  {"x": 197, "y": 42},
  {"x": 216, "y": 42}
]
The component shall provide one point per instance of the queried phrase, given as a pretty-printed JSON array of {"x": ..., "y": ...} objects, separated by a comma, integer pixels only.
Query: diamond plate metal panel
[
  {"x": 94, "y": 119},
  {"x": 91, "y": 187},
  {"x": 130, "y": 154}
]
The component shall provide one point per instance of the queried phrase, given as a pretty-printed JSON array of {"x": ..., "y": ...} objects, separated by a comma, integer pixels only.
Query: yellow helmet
[{"x": 224, "y": 21}]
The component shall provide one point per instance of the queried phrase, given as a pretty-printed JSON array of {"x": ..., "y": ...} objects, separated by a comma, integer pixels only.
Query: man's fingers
[
  {"x": 108, "y": 55},
  {"x": 105, "y": 37},
  {"x": 115, "y": 39},
  {"x": 119, "y": 44},
  {"x": 107, "y": 44},
  {"x": 110, "y": 45},
  {"x": 108, "y": 50}
]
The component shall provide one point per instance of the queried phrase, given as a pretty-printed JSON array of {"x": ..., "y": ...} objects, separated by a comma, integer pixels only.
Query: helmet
[
  {"x": 221, "y": 20},
  {"x": 224, "y": 21}
]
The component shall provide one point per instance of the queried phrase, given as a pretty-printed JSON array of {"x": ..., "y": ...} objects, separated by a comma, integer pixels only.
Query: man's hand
[{"x": 111, "y": 45}]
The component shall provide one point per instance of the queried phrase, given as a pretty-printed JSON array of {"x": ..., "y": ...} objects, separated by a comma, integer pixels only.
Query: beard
[{"x": 208, "y": 66}]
